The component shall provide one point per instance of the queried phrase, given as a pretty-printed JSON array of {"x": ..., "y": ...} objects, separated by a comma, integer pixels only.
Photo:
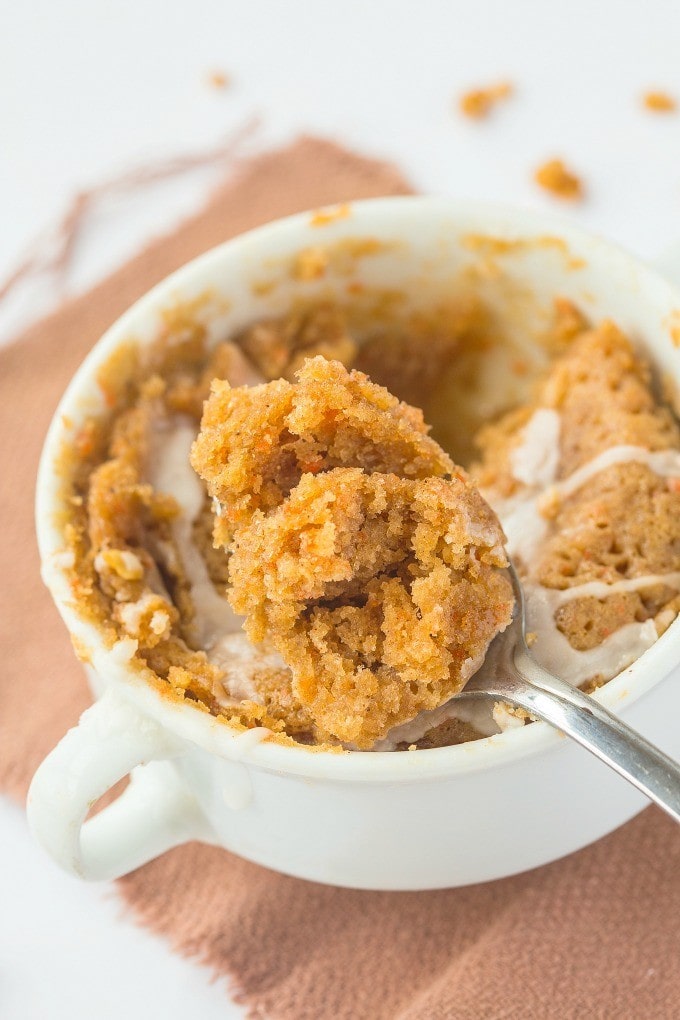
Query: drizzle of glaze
[
  {"x": 217, "y": 628},
  {"x": 535, "y": 463},
  {"x": 237, "y": 656},
  {"x": 603, "y": 589},
  {"x": 665, "y": 463},
  {"x": 536, "y": 460},
  {"x": 553, "y": 650},
  {"x": 171, "y": 472},
  {"x": 478, "y": 713}
]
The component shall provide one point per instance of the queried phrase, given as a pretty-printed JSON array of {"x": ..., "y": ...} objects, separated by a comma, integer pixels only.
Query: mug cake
[{"x": 272, "y": 527}]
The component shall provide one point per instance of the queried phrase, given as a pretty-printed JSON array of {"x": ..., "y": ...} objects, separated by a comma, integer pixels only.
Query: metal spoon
[{"x": 512, "y": 674}]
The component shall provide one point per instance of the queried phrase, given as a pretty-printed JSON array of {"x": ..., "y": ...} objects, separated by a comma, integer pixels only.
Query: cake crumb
[
  {"x": 548, "y": 503},
  {"x": 659, "y": 102},
  {"x": 122, "y": 562},
  {"x": 478, "y": 103},
  {"x": 331, "y": 214},
  {"x": 218, "y": 80},
  {"x": 509, "y": 717},
  {"x": 555, "y": 177},
  {"x": 310, "y": 264},
  {"x": 569, "y": 321}
]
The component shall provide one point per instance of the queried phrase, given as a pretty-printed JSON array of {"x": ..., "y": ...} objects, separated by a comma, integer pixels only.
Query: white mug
[{"x": 422, "y": 819}]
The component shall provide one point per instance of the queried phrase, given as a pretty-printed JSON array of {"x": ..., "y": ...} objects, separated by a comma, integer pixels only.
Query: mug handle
[{"x": 154, "y": 813}]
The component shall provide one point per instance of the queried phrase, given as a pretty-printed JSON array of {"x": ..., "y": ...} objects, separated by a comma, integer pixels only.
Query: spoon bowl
[{"x": 511, "y": 673}]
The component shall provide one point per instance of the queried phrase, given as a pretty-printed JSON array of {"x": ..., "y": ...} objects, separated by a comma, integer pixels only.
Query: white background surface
[{"x": 88, "y": 89}]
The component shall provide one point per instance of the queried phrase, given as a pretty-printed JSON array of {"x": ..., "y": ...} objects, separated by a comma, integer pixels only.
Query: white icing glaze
[
  {"x": 554, "y": 651},
  {"x": 218, "y": 630},
  {"x": 123, "y": 651},
  {"x": 504, "y": 718},
  {"x": 129, "y": 560},
  {"x": 131, "y": 615},
  {"x": 535, "y": 461},
  {"x": 603, "y": 589},
  {"x": 665, "y": 463},
  {"x": 238, "y": 657},
  {"x": 170, "y": 471},
  {"x": 64, "y": 560},
  {"x": 525, "y": 528},
  {"x": 476, "y": 712},
  {"x": 169, "y": 468}
]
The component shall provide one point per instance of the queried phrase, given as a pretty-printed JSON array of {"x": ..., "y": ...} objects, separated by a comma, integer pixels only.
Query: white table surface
[{"x": 89, "y": 88}]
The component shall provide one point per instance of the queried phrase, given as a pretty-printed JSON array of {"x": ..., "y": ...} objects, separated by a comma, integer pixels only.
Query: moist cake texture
[
  {"x": 364, "y": 564},
  {"x": 587, "y": 483},
  {"x": 256, "y": 442},
  {"x": 378, "y": 580}
]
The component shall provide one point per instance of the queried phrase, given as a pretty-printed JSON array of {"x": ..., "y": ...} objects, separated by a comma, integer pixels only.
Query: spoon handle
[{"x": 595, "y": 728}]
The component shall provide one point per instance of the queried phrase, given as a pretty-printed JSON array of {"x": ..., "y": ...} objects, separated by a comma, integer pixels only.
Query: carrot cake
[
  {"x": 332, "y": 577},
  {"x": 586, "y": 481},
  {"x": 355, "y": 546}
]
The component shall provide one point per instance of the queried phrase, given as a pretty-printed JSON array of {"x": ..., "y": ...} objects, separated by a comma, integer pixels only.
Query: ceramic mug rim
[{"x": 217, "y": 735}]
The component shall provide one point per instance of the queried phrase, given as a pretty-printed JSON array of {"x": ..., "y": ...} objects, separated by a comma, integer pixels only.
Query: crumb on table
[
  {"x": 478, "y": 103},
  {"x": 218, "y": 80},
  {"x": 658, "y": 101},
  {"x": 555, "y": 177}
]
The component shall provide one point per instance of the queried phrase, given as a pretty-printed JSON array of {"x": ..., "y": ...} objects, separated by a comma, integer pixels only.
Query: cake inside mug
[
  {"x": 356, "y": 547},
  {"x": 280, "y": 539}
]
